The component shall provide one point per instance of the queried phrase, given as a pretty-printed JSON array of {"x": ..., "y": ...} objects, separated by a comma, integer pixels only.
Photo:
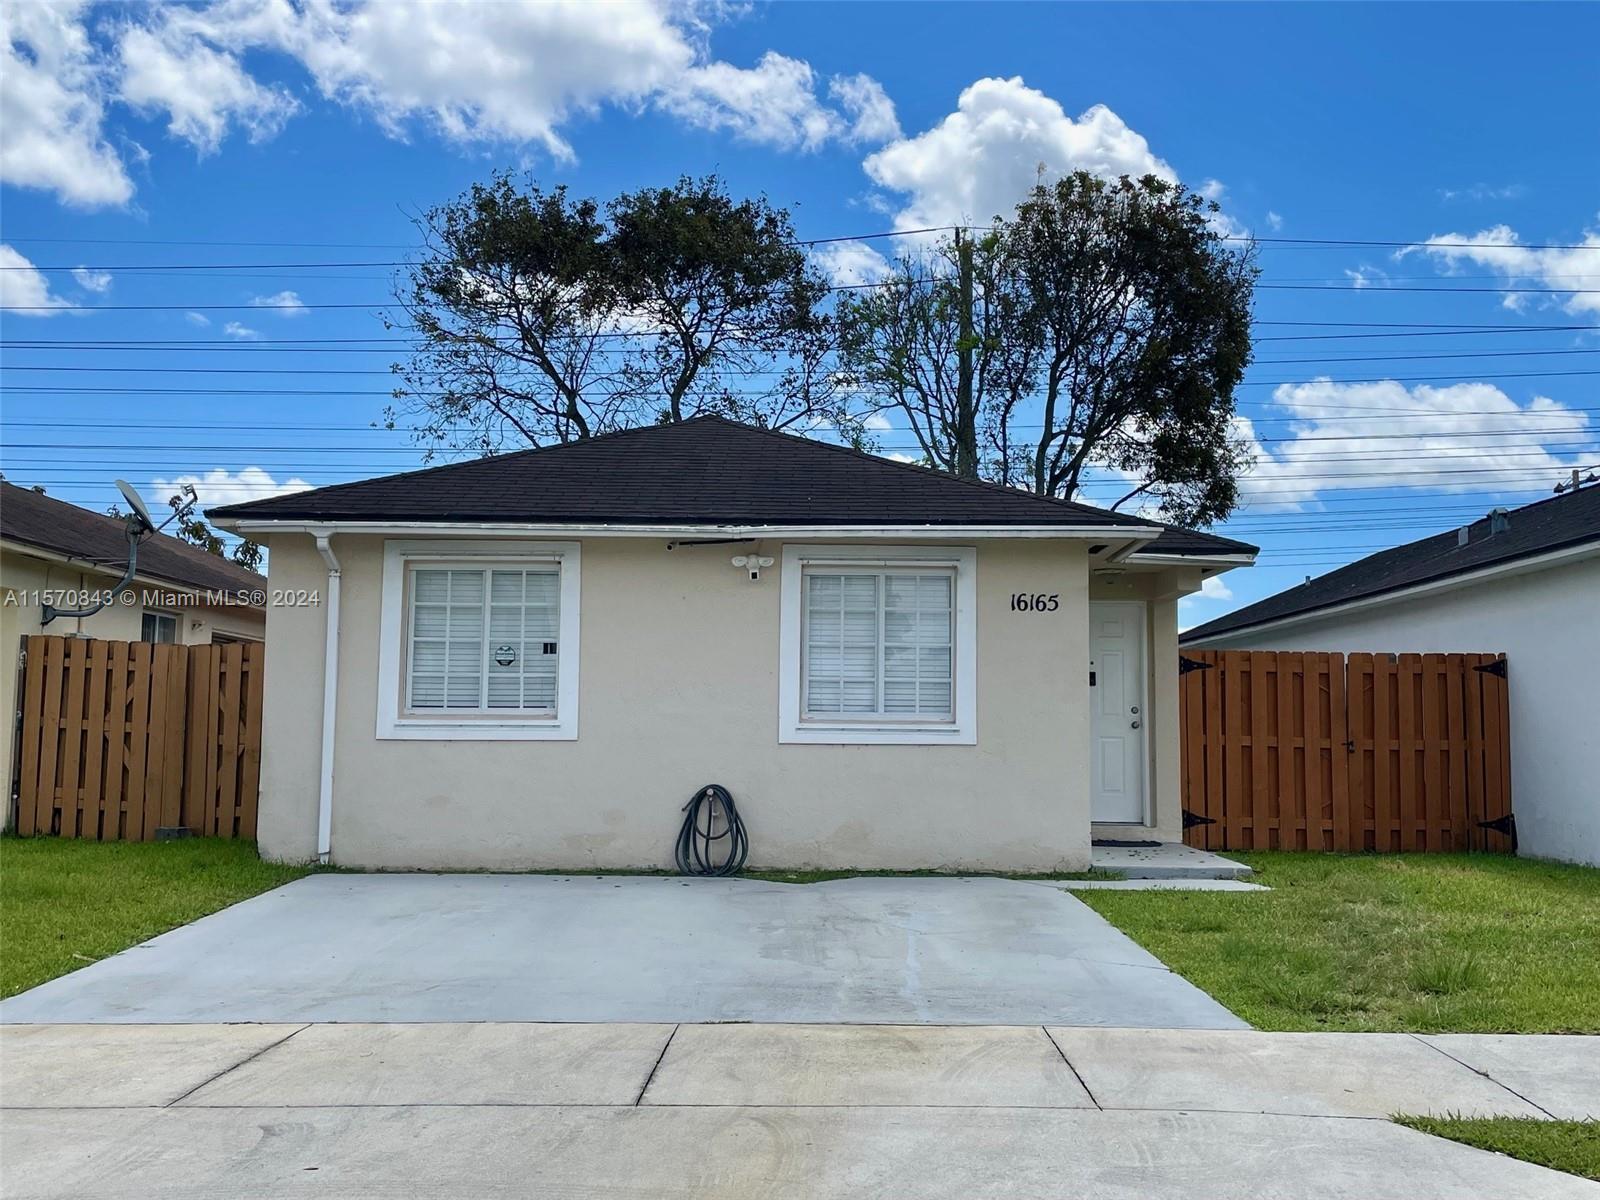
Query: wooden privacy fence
[
  {"x": 122, "y": 739},
  {"x": 1309, "y": 751}
]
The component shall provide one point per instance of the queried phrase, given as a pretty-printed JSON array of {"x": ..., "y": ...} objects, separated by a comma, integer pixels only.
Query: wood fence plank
[
  {"x": 1235, "y": 680},
  {"x": 1291, "y": 815},
  {"x": 1384, "y": 688},
  {"x": 1261, "y": 711},
  {"x": 1433, "y": 813},
  {"x": 155, "y": 774},
  {"x": 250, "y": 739},
  {"x": 69, "y": 796},
  {"x": 197, "y": 750},
  {"x": 1455, "y": 734},
  {"x": 176, "y": 730},
  {"x": 1212, "y": 684},
  {"x": 1314, "y": 687},
  {"x": 1497, "y": 760},
  {"x": 1407, "y": 698},
  {"x": 140, "y": 657},
  {"x": 33, "y": 711},
  {"x": 1344, "y": 834},
  {"x": 94, "y": 738},
  {"x": 50, "y": 739},
  {"x": 1475, "y": 750},
  {"x": 114, "y": 774},
  {"x": 230, "y": 714}
]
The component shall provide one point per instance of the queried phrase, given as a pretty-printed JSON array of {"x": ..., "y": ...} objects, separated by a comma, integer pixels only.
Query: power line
[{"x": 1521, "y": 353}]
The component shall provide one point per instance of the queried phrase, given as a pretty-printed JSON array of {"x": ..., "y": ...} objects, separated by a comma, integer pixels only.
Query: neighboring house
[
  {"x": 533, "y": 660},
  {"x": 1526, "y": 582},
  {"x": 52, "y": 550}
]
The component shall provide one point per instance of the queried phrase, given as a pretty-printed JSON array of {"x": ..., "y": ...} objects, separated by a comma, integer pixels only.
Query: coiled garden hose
[{"x": 709, "y": 818}]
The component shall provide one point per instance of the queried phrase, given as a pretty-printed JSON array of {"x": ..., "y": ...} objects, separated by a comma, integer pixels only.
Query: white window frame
[
  {"x": 161, "y": 614},
  {"x": 795, "y": 727},
  {"x": 395, "y": 723}
]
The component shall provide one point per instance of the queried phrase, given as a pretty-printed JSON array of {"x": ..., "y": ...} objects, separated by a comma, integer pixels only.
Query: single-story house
[
  {"x": 1524, "y": 582},
  {"x": 52, "y": 551},
  {"x": 533, "y": 660}
]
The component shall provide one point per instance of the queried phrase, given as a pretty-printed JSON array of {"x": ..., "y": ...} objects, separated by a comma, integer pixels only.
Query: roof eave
[{"x": 260, "y": 527}]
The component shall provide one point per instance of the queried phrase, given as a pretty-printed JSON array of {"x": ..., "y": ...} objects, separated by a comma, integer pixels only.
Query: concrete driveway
[{"x": 415, "y": 948}]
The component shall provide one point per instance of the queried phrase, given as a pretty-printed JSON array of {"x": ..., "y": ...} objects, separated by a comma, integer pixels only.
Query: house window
[
  {"x": 484, "y": 639},
  {"x": 158, "y": 627},
  {"x": 479, "y": 641},
  {"x": 878, "y": 645}
]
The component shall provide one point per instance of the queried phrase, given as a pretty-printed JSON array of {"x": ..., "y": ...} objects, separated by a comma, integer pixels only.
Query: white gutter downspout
[{"x": 330, "y": 697}]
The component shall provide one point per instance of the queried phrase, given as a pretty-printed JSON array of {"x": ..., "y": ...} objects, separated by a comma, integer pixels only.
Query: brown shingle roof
[
  {"x": 704, "y": 471},
  {"x": 34, "y": 519}
]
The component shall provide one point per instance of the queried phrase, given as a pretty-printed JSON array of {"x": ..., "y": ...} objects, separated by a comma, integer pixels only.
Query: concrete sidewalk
[{"x": 488, "y": 1110}]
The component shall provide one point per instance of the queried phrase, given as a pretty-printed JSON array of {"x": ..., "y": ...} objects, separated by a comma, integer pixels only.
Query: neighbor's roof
[
  {"x": 34, "y": 519},
  {"x": 704, "y": 471},
  {"x": 1571, "y": 519}
]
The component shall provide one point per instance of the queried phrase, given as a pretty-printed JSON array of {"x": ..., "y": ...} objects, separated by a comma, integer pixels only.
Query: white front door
[{"x": 1117, "y": 704}]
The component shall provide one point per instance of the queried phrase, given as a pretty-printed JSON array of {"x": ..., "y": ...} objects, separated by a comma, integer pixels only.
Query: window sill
[
  {"x": 412, "y": 729},
  {"x": 813, "y": 734}
]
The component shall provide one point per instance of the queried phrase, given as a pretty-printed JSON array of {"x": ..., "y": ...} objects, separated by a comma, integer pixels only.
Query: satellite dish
[{"x": 132, "y": 497}]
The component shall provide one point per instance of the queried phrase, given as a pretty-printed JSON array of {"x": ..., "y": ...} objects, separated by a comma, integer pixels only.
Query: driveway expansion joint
[
  {"x": 1076, "y": 1074},
  {"x": 656, "y": 1066},
  {"x": 1484, "y": 1074},
  {"x": 249, "y": 1058}
]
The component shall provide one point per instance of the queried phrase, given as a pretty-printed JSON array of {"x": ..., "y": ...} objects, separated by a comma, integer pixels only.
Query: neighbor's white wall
[
  {"x": 1548, "y": 624},
  {"x": 678, "y": 689}
]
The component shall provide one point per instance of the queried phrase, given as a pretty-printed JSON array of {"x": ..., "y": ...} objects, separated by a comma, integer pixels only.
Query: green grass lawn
[
  {"x": 65, "y": 903},
  {"x": 1418, "y": 943},
  {"x": 1572, "y": 1146}
]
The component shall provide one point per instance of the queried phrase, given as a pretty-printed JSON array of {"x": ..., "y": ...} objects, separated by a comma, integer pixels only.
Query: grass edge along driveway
[
  {"x": 67, "y": 903},
  {"x": 1570, "y": 1146},
  {"x": 1422, "y": 943}
]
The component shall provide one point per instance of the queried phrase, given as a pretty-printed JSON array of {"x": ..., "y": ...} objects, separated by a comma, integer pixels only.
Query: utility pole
[{"x": 966, "y": 415}]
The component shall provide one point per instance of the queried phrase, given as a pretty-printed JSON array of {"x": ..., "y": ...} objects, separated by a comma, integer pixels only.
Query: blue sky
[{"x": 155, "y": 136}]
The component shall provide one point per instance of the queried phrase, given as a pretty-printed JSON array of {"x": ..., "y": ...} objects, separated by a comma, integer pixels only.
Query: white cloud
[
  {"x": 244, "y": 333},
  {"x": 1366, "y": 277},
  {"x": 1464, "y": 437},
  {"x": 170, "y": 66},
  {"x": 98, "y": 282},
  {"x": 286, "y": 303},
  {"x": 1274, "y": 221},
  {"x": 980, "y": 160},
  {"x": 199, "y": 319},
  {"x": 477, "y": 73},
  {"x": 775, "y": 103},
  {"x": 1483, "y": 191},
  {"x": 24, "y": 289},
  {"x": 849, "y": 263},
  {"x": 1211, "y": 588},
  {"x": 52, "y": 106},
  {"x": 868, "y": 107},
  {"x": 220, "y": 486},
  {"x": 1497, "y": 250}
]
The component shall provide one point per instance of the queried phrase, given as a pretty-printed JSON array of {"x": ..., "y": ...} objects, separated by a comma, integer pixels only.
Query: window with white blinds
[
  {"x": 484, "y": 640},
  {"x": 879, "y": 644}
]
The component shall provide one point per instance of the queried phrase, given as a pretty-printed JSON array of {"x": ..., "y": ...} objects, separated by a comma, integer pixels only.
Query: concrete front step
[{"x": 1168, "y": 860}]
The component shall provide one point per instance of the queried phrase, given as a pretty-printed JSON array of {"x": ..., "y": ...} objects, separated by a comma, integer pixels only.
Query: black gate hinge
[
  {"x": 1185, "y": 665},
  {"x": 1506, "y": 825},
  {"x": 1191, "y": 819},
  {"x": 1497, "y": 667}
]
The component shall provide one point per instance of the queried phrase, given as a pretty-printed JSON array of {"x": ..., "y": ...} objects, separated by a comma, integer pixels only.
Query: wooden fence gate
[
  {"x": 122, "y": 739},
  {"x": 1309, "y": 751}
]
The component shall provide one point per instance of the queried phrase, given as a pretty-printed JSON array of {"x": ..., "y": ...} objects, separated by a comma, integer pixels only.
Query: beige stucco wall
[
  {"x": 23, "y": 577},
  {"x": 678, "y": 688}
]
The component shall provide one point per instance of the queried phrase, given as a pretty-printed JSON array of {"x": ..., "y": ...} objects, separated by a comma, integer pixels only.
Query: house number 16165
[{"x": 1035, "y": 601}]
